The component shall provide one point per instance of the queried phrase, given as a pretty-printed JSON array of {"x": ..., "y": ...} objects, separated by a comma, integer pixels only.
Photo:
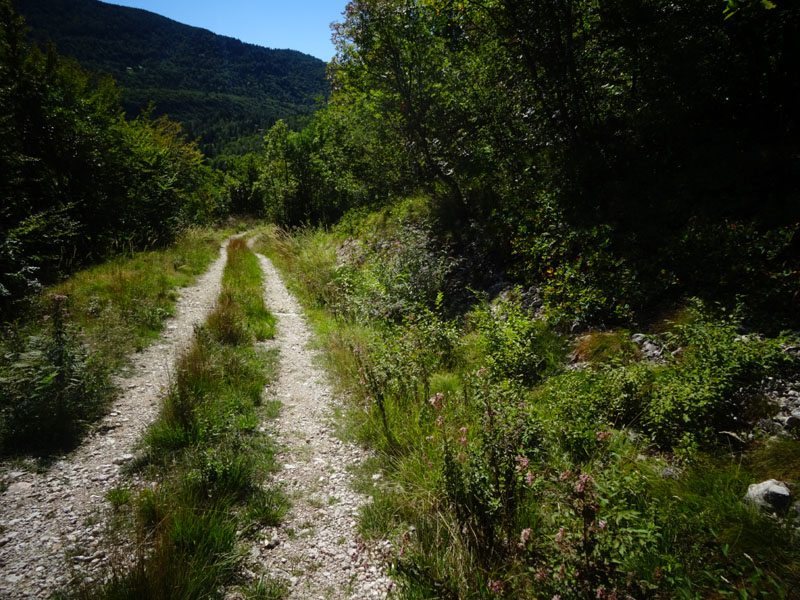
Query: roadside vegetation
[
  {"x": 552, "y": 250},
  {"x": 521, "y": 461},
  {"x": 207, "y": 457},
  {"x": 56, "y": 359}
]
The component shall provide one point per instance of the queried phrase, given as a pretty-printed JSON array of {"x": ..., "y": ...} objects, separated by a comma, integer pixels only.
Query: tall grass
[
  {"x": 120, "y": 305},
  {"x": 207, "y": 454},
  {"x": 55, "y": 362}
]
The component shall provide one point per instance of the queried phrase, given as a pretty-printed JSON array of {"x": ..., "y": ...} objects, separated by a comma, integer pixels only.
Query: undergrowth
[
  {"x": 55, "y": 361},
  {"x": 207, "y": 454},
  {"x": 509, "y": 475}
]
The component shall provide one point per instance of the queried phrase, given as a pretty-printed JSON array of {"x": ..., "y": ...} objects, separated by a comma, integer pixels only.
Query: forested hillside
[
  {"x": 80, "y": 182},
  {"x": 612, "y": 154},
  {"x": 217, "y": 87}
]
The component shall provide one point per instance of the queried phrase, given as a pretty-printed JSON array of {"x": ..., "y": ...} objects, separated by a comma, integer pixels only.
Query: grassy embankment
[
  {"x": 55, "y": 360},
  {"x": 208, "y": 457},
  {"x": 509, "y": 475}
]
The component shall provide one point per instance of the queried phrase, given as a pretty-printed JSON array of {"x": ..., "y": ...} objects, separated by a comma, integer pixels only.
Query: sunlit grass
[{"x": 208, "y": 456}]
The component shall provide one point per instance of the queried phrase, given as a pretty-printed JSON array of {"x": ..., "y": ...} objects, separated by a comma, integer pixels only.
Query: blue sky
[{"x": 300, "y": 25}]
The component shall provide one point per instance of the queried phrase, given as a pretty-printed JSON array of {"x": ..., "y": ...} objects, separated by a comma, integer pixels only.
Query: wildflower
[
  {"x": 522, "y": 462},
  {"x": 560, "y": 535},
  {"x": 584, "y": 481},
  {"x": 462, "y": 440},
  {"x": 481, "y": 372},
  {"x": 496, "y": 587},
  {"x": 601, "y": 592},
  {"x": 524, "y": 536},
  {"x": 602, "y": 525},
  {"x": 565, "y": 475},
  {"x": 557, "y": 597},
  {"x": 464, "y": 429},
  {"x": 462, "y": 457},
  {"x": 436, "y": 401},
  {"x": 541, "y": 575},
  {"x": 602, "y": 436},
  {"x": 440, "y": 421},
  {"x": 530, "y": 478},
  {"x": 429, "y": 438}
]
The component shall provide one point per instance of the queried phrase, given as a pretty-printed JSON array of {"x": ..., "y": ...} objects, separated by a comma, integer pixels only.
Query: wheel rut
[
  {"x": 317, "y": 548},
  {"x": 52, "y": 523}
]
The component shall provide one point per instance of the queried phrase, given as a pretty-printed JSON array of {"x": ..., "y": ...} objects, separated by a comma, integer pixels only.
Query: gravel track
[
  {"x": 317, "y": 548},
  {"x": 52, "y": 524}
]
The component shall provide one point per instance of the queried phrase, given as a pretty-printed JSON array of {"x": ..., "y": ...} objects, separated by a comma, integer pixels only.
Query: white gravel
[
  {"x": 316, "y": 549},
  {"x": 51, "y": 524}
]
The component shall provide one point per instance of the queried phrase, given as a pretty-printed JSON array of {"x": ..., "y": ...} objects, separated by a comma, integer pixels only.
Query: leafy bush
[
  {"x": 710, "y": 386},
  {"x": 51, "y": 387},
  {"x": 517, "y": 345}
]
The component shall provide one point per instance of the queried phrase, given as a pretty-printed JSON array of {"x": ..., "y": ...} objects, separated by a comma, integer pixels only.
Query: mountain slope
[{"x": 217, "y": 86}]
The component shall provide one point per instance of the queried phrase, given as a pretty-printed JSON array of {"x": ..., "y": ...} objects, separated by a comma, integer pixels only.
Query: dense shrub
[{"x": 51, "y": 386}]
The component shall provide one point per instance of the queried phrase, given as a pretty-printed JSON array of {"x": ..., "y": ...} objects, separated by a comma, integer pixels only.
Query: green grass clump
[
  {"x": 207, "y": 453},
  {"x": 606, "y": 347},
  {"x": 121, "y": 304},
  {"x": 119, "y": 497},
  {"x": 507, "y": 475}
]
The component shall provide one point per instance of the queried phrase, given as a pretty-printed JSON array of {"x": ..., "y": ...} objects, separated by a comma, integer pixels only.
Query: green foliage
[
  {"x": 51, "y": 386},
  {"x": 119, "y": 497},
  {"x": 517, "y": 346},
  {"x": 507, "y": 476},
  {"x": 704, "y": 394},
  {"x": 219, "y": 88},
  {"x": 80, "y": 182},
  {"x": 563, "y": 141},
  {"x": 55, "y": 381}
]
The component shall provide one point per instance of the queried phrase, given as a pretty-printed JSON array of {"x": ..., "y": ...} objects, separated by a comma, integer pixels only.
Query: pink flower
[
  {"x": 530, "y": 478},
  {"x": 439, "y": 420},
  {"x": 525, "y": 535},
  {"x": 602, "y": 525},
  {"x": 462, "y": 441},
  {"x": 584, "y": 481},
  {"x": 522, "y": 462},
  {"x": 462, "y": 457},
  {"x": 541, "y": 575},
  {"x": 436, "y": 401},
  {"x": 464, "y": 429},
  {"x": 560, "y": 535},
  {"x": 496, "y": 587},
  {"x": 565, "y": 475},
  {"x": 602, "y": 436}
]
